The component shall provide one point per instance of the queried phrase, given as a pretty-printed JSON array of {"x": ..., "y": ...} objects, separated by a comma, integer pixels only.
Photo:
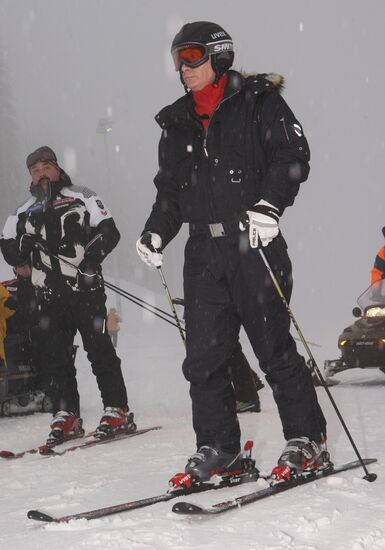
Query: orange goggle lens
[{"x": 192, "y": 56}]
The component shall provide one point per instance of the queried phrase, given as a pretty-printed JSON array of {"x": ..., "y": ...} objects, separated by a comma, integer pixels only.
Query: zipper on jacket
[
  {"x": 211, "y": 200},
  {"x": 284, "y": 127},
  {"x": 206, "y": 152},
  {"x": 215, "y": 110},
  {"x": 205, "y": 146}
]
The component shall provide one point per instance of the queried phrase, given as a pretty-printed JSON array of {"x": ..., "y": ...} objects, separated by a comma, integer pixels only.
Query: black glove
[
  {"x": 88, "y": 277},
  {"x": 28, "y": 242}
]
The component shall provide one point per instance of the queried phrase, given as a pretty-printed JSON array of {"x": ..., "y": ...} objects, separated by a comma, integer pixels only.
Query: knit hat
[{"x": 42, "y": 154}]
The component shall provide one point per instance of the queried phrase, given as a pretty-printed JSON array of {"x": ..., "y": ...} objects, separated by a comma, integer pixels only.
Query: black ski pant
[
  {"x": 60, "y": 318},
  {"x": 226, "y": 285}
]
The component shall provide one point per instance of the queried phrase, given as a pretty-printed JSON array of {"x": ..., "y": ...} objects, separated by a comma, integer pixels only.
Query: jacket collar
[
  {"x": 182, "y": 110},
  {"x": 54, "y": 187}
]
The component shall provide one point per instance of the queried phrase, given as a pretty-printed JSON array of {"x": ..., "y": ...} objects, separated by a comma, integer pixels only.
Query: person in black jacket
[
  {"x": 65, "y": 232},
  {"x": 231, "y": 159}
]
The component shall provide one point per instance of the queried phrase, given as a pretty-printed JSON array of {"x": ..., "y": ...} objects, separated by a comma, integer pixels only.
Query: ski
[
  {"x": 182, "y": 485},
  {"x": 131, "y": 505},
  {"x": 13, "y": 455},
  {"x": 187, "y": 508},
  {"x": 50, "y": 450}
]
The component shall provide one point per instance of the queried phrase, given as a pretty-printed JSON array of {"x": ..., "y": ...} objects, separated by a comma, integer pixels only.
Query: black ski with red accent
[{"x": 186, "y": 508}]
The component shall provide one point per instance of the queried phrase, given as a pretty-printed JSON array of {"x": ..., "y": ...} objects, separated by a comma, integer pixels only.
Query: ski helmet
[{"x": 198, "y": 42}]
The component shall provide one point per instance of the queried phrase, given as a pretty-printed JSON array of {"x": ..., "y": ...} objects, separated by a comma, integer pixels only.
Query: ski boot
[
  {"x": 209, "y": 461},
  {"x": 65, "y": 426},
  {"x": 115, "y": 420},
  {"x": 230, "y": 469},
  {"x": 300, "y": 456}
]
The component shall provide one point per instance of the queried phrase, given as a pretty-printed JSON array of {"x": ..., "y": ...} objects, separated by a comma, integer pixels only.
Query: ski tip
[
  {"x": 367, "y": 461},
  {"x": 7, "y": 454},
  {"x": 187, "y": 508},
  {"x": 40, "y": 516}
]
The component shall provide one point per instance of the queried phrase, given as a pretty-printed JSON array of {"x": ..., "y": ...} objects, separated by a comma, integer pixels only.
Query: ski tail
[{"x": 41, "y": 516}]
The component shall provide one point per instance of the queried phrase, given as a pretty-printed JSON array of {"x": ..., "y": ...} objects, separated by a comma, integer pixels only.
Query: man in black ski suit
[
  {"x": 231, "y": 158},
  {"x": 65, "y": 232}
]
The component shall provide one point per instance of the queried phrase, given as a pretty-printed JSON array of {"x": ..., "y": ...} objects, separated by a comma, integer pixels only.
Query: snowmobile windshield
[{"x": 372, "y": 301}]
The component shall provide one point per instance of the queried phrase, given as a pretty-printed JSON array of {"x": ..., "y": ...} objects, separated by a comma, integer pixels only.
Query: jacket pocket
[
  {"x": 184, "y": 172},
  {"x": 234, "y": 168},
  {"x": 234, "y": 174}
]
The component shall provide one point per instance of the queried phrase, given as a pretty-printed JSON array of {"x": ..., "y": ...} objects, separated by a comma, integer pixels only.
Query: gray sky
[{"x": 73, "y": 62}]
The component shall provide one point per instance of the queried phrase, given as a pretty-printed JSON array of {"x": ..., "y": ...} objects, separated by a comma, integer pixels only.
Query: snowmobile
[
  {"x": 23, "y": 389},
  {"x": 362, "y": 344},
  {"x": 20, "y": 391}
]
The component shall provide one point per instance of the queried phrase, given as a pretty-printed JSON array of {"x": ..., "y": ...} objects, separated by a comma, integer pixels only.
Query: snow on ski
[
  {"x": 46, "y": 450},
  {"x": 186, "y": 508}
]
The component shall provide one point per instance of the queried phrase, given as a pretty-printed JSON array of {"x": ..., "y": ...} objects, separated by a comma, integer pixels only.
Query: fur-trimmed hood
[{"x": 265, "y": 81}]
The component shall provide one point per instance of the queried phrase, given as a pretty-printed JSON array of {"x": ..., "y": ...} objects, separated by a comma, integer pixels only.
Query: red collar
[{"x": 207, "y": 99}]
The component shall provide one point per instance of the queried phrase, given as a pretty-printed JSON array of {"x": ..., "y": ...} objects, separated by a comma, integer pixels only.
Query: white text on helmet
[
  {"x": 217, "y": 34},
  {"x": 222, "y": 47}
]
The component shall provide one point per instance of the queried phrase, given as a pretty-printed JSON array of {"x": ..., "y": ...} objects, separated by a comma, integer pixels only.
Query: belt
[{"x": 215, "y": 230}]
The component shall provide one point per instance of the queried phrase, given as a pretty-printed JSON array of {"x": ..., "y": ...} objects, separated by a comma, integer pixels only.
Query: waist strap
[{"x": 215, "y": 230}]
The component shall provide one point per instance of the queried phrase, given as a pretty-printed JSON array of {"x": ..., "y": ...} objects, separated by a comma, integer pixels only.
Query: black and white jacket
[{"x": 74, "y": 223}]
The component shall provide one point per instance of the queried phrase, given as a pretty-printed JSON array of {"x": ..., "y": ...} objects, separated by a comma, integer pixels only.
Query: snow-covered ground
[{"x": 343, "y": 512}]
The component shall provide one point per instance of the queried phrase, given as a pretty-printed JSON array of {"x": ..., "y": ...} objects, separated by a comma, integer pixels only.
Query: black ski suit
[
  {"x": 76, "y": 226},
  {"x": 254, "y": 148}
]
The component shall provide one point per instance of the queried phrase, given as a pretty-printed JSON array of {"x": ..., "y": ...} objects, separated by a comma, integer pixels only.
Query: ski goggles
[{"x": 195, "y": 54}]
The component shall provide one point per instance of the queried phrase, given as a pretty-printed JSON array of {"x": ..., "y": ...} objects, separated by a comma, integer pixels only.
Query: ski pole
[
  {"x": 127, "y": 295},
  {"x": 368, "y": 476},
  {"x": 170, "y": 301},
  {"x": 124, "y": 295}
]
